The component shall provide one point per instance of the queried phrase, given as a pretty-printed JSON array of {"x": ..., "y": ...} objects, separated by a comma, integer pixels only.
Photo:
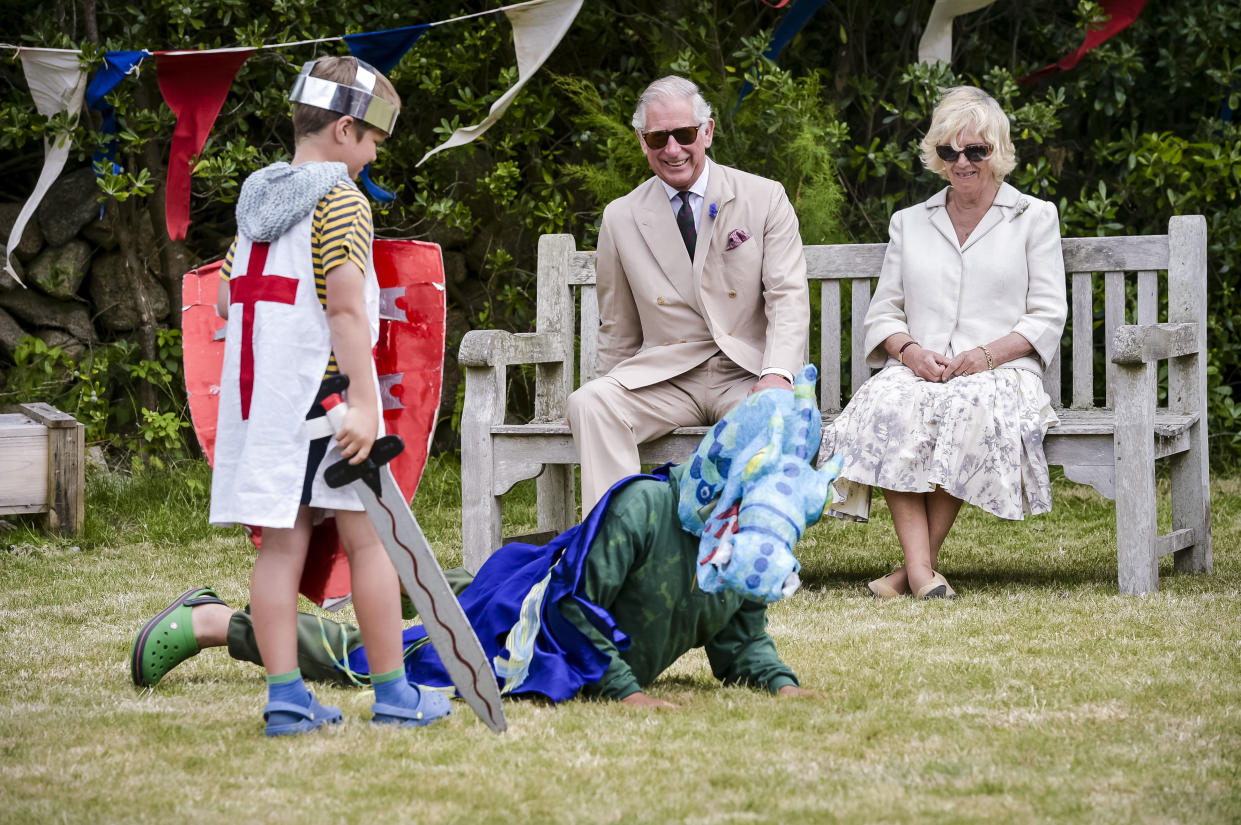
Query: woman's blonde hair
[{"x": 963, "y": 107}]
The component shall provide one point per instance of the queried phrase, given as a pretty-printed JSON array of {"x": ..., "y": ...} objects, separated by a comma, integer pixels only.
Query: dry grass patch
[{"x": 1038, "y": 696}]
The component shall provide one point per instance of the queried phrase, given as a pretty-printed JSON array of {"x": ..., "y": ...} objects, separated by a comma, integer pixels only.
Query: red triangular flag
[
  {"x": 194, "y": 85},
  {"x": 1123, "y": 12}
]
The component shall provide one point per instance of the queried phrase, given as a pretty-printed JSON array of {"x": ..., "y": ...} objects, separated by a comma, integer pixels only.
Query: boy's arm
[
  {"x": 351, "y": 342},
  {"x": 743, "y": 653},
  {"x": 226, "y": 273}
]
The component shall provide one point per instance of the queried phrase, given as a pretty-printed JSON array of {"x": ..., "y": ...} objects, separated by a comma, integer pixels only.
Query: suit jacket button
[
  {"x": 732, "y": 293},
  {"x": 660, "y": 300},
  {"x": 682, "y": 340}
]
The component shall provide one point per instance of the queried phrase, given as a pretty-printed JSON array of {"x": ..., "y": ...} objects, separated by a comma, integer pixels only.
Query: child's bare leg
[
  {"x": 273, "y": 592},
  {"x": 376, "y": 590},
  {"x": 377, "y": 603}
]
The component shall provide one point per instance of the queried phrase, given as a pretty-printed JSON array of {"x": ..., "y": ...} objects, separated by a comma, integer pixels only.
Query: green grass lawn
[{"x": 1039, "y": 696}]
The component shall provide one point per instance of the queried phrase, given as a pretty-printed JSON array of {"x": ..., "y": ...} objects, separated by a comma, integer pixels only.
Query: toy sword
[{"x": 446, "y": 624}]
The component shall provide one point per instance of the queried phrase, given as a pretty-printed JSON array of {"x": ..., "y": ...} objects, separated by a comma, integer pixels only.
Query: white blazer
[{"x": 1008, "y": 276}]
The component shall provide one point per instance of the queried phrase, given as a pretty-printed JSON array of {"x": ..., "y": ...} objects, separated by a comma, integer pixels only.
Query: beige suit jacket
[{"x": 661, "y": 316}]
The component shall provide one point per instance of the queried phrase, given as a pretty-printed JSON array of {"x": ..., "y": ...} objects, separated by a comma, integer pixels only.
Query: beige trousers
[{"x": 609, "y": 421}]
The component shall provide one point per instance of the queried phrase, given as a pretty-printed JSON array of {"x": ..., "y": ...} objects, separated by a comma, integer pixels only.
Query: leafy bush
[{"x": 1139, "y": 131}]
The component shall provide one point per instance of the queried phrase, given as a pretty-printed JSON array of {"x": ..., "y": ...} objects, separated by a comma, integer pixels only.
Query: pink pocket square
[{"x": 736, "y": 238}]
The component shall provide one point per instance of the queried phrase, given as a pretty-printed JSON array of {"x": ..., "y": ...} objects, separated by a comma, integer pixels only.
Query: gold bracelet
[{"x": 987, "y": 352}]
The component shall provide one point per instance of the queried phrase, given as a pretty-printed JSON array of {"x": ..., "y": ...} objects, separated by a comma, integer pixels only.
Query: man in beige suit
[{"x": 702, "y": 293}]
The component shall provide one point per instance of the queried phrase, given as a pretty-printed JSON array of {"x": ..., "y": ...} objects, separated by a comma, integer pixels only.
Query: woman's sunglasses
[
  {"x": 974, "y": 153},
  {"x": 684, "y": 136}
]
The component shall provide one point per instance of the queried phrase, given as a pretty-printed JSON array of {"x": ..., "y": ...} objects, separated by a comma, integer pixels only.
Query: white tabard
[{"x": 278, "y": 324}]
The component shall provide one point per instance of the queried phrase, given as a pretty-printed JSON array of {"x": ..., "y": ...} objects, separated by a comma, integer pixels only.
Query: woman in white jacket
[{"x": 968, "y": 311}]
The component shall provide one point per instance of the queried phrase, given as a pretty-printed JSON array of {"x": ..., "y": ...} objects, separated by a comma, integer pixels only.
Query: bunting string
[{"x": 196, "y": 82}]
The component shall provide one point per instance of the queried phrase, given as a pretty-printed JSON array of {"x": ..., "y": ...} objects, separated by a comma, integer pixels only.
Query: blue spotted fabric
[{"x": 750, "y": 491}]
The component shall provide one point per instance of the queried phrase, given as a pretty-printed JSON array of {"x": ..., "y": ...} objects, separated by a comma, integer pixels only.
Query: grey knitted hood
[{"x": 278, "y": 196}]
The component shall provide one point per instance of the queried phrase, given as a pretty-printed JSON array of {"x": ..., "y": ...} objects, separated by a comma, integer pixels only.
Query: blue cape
[{"x": 564, "y": 659}]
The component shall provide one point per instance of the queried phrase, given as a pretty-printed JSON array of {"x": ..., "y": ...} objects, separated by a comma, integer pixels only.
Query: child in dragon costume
[{"x": 688, "y": 556}]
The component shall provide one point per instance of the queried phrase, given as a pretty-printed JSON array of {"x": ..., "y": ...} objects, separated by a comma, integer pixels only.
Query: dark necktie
[{"x": 685, "y": 222}]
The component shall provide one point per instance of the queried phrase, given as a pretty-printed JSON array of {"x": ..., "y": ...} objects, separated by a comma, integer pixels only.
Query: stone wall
[{"x": 77, "y": 288}]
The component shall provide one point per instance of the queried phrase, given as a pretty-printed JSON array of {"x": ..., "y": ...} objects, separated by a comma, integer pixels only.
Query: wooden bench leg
[
  {"x": 1137, "y": 565},
  {"x": 557, "y": 498},
  {"x": 1191, "y": 504},
  {"x": 481, "y": 509}
]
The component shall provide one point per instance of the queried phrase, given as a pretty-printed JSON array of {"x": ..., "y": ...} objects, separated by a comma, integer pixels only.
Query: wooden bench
[
  {"x": 1111, "y": 446},
  {"x": 42, "y": 470}
]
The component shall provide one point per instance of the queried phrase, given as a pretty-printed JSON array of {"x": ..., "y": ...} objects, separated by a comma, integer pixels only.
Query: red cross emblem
[{"x": 248, "y": 290}]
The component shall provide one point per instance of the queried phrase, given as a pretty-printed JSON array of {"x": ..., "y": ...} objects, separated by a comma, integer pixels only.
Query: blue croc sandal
[
  {"x": 167, "y": 639},
  {"x": 306, "y": 717},
  {"x": 431, "y": 706}
]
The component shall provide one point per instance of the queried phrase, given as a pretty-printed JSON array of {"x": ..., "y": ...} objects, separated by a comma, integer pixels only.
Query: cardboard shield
[{"x": 409, "y": 359}]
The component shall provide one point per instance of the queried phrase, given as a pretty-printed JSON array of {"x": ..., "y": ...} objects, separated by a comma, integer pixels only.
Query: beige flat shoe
[
  {"x": 883, "y": 591},
  {"x": 936, "y": 588}
]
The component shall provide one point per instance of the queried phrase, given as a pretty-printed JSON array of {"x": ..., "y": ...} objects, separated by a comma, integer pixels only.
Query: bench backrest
[{"x": 1134, "y": 272}]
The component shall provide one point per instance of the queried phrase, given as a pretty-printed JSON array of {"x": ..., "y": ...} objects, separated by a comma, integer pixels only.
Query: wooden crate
[{"x": 42, "y": 466}]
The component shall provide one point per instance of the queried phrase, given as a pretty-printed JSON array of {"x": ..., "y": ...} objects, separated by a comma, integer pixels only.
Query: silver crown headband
[{"x": 358, "y": 101}]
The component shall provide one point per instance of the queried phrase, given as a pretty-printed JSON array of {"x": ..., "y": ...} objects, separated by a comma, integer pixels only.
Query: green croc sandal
[{"x": 167, "y": 640}]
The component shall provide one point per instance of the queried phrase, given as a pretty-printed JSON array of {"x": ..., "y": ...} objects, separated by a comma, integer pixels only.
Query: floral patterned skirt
[{"x": 978, "y": 437}]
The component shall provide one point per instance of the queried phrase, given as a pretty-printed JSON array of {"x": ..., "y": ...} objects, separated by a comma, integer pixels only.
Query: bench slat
[
  {"x": 1083, "y": 336},
  {"x": 1072, "y": 422},
  {"x": 1113, "y": 317},
  {"x": 1131, "y": 252},
  {"x": 858, "y": 305},
  {"x": 829, "y": 345}
]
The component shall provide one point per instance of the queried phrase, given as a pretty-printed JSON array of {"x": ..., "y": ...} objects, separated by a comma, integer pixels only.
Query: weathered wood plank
[
  {"x": 497, "y": 348},
  {"x": 1135, "y": 344},
  {"x": 858, "y": 304},
  {"x": 66, "y": 477},
  {"x": 1148, "y": 297},
  {"x": 1113, "y": 317},
  {"x": 1187, "y": 389},
  {"x": 1083, "y": 340},
  {"x": 590, "y": 332},
  {"x": 23, "y": 466},
  {"x": 1125, "y": 253},
  {"x": 829, "y": 347},
  {"x": 1138, "y": 570},
  {"x": 1174, "y": 542}
]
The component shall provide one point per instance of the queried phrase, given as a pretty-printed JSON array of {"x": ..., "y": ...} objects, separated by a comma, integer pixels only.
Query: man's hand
[
  {"x": 794, "y": 692},
  {"x": 641, "y": 700},
  {"x": 772, "y": 380}
]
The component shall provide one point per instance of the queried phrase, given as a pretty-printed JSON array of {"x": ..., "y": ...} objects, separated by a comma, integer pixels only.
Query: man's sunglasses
[
  {"x": 684, "y": 136},
  {"x": 974, "y": 153}
]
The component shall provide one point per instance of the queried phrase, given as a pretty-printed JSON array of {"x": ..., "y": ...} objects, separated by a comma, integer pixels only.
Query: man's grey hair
[{"x": 671, "y": 87}]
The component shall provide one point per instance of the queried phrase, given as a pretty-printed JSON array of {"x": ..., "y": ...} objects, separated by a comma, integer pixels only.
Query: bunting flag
[
  {"x": 789, "y": 26},
  {"x": 58, "y": 84},
  {"x": 538, "y": 28},
  {"x": 936, "y": 42},
  {"x": 1122, "y": 13},
  {"x": 384, "y": 50},
  {"x": 194, "y": 85},
  {"x": 116, "y": 67}
]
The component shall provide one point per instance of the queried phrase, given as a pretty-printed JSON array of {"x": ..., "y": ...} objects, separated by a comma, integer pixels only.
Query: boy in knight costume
[
  {"x": 304, "y": 303},
  {"x": 686, "y": 557}
]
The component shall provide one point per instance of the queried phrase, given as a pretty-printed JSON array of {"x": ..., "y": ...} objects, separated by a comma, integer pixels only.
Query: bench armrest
[
  {"x": 1143, "y": 343},
  {"x": 497, "y": 348}
]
